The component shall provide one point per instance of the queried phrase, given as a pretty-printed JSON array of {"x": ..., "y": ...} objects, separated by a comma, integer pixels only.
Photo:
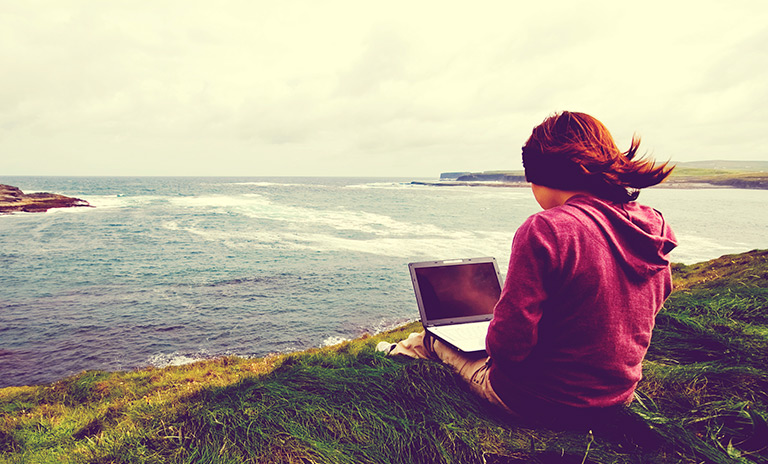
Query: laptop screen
[{"x": 457, "y": 289}]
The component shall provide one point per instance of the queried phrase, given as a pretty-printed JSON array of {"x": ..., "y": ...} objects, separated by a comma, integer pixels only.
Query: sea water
[{"x": 166, "y": 271}]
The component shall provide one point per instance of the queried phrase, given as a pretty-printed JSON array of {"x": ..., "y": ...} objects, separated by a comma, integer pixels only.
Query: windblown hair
[{"x": 574, "y": 151}]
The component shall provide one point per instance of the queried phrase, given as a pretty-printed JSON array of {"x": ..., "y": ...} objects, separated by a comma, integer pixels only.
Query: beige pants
[{"x": 472, "y": 367}]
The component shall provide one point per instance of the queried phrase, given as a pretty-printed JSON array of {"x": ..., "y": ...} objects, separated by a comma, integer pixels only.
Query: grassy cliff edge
[{"x": 703, "y": 399}]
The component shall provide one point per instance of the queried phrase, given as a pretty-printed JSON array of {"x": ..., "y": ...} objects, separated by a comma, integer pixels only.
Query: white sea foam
[
  {"x": 417, "y": 242},
  {"x": 693, "y": 249},
  {"x": 259, "y": 207},
  {"x": 265, "y": 184},
  {"x": 376, "y": 328},
  {"x": 380, "y": 185},
  {"x": 240, "y": 239},
  {"x": 361, "y": 221},
  {"x": 386, "y": 236},
  {"x": 469, "y": 244},
  {"x": 69, "y": 210},
  {"x": 334, "y": 340},
  {"x": 445, "y": 245},
  {"x": 390, "y": 324},
  {"x": 175, "y": 359},
  {"x": 118, "y": 201},
  {"x": 220, "y": 201},
  {"x": 314, "y": 230}
]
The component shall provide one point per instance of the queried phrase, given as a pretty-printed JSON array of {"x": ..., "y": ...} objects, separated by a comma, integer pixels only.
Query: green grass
[
  {"x": 699, "y": 172},
  {"x": 722, "y": 178},
  {"x": 703, "y": 399}
]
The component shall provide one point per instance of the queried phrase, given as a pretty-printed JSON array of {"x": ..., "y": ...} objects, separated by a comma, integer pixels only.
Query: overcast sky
[{"x": 394, "y": 88}]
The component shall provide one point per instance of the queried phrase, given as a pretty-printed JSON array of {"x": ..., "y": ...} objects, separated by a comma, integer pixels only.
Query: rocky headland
[
  {"x": 12, "y": 199},
  {"x": 695, "y": 174}
]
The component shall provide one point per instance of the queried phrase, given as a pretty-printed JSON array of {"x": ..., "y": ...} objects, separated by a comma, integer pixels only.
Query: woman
[{"x": 586, "y": 278}]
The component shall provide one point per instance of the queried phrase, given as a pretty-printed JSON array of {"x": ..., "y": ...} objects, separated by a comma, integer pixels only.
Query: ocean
[{"x": 165, "y": 271}]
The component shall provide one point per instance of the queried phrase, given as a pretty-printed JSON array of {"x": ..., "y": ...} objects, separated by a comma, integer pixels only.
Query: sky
[{"x": 363, "y": 88}]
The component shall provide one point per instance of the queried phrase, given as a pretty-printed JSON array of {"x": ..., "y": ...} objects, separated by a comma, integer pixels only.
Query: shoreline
[{"x": 702, "y": 399}]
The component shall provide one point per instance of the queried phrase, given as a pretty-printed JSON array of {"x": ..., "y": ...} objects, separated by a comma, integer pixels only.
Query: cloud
[{"x": 347, "y": 88}]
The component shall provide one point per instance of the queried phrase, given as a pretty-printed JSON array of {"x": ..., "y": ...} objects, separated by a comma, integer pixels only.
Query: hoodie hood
[{"x": 638, "y": 235}]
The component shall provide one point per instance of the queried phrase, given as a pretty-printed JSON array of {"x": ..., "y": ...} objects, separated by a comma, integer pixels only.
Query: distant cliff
[
  {"x": 12, "y": 199},
  {"x": 491, "y": 177},
  {"x": 486, "y": 176},
  {"x": 701, "y": 174}
]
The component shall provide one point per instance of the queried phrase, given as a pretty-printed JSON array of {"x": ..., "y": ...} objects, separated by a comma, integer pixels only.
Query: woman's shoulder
[{"x": 553, "y": 222}]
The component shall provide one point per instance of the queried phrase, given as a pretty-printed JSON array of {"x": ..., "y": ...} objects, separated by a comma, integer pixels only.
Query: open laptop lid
[{"x": 457, "y": 290}]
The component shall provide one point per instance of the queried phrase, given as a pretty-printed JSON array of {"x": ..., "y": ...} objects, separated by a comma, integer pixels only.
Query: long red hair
[{"x": 574, "y": 151}]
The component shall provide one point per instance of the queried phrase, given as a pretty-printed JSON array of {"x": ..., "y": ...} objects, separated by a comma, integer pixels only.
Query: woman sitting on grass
[{"x": 586, "y": 278}]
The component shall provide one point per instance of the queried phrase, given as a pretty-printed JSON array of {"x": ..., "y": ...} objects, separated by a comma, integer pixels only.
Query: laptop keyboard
[{"x": 470, "y": 335}]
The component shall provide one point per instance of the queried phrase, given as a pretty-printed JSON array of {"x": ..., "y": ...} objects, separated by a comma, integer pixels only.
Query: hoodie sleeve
[{"x": 533, "y": 264}]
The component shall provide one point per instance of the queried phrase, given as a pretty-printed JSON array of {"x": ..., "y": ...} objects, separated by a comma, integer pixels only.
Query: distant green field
[
  {"x": 684, "y": 173},
  {"x": 681, "y": 171}
]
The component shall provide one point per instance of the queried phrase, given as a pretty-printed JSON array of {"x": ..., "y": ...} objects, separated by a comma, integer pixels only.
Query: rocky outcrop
[
  {"x": 744, "y": 182},
  {"x": 753, "y": 181},
  {"x": 12, "y": 199},
  {"x": 479, "y": 179}
]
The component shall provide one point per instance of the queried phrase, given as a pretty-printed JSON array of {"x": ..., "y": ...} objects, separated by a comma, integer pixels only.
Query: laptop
[{"x": 456, "y": 299}]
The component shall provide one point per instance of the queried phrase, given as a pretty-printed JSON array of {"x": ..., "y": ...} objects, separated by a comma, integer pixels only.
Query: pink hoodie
[{"x": 575, "y": 316}]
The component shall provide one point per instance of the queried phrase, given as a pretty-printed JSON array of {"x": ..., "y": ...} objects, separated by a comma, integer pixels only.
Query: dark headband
[{"x": 553, "y": 170}]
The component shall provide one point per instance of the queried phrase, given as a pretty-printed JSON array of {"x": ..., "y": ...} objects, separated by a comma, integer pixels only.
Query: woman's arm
[{"x": 534, "y": 259}]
